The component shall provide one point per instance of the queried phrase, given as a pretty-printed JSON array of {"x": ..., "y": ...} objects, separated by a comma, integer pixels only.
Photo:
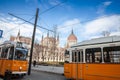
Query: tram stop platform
[{"x": 50, "y": 69}]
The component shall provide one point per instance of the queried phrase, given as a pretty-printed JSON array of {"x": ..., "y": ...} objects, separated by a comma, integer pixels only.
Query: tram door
[{"x": 77, "y": 67}]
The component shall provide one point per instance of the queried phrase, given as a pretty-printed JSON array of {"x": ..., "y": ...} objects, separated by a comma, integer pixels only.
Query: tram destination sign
[{"x": 1, "y": 32}]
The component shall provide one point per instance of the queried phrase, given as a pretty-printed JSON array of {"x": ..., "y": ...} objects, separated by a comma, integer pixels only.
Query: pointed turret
[
  {"x": 58, "y": 37},
  {"x": 42, "y": 37},
  {"x": 72, "y": 32},
  {"x": 18, "y": 33},
  {"x": 42, "y": 40},
  {"x": 48, "y": 34},
  {"x": 18, "y": 37}
]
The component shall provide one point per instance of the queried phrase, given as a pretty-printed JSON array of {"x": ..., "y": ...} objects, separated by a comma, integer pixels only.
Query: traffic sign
[{"x": 1, "y": 32}]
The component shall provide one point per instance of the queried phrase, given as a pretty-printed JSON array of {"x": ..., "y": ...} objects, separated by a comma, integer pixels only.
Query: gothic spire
[
  {"x": 42, "y": 40},
  {"x": 48, "y": 34},
  {"x": 42, "y": 37},
  {"x": 58, "y": 37},
  {"x": 72, "y": 32},
  {"x": 18, "y": 33}
]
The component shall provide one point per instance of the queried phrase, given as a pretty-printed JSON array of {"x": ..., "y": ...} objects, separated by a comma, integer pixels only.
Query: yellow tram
[
  {"x": 95, "y": 59},
  {"x": 13, "y": 58}
]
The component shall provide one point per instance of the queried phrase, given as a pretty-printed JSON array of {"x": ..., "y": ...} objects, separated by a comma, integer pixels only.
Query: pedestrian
[{"x": 34, "y": 63}]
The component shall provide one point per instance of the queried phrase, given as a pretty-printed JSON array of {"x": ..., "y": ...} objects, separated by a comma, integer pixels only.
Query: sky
[{"x": 88, "y": 18}]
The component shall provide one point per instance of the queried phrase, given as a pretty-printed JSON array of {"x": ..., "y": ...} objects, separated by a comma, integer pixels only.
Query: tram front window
[
  {"x": 20, "y": 54},
  {"x": 67, "y": 56}
]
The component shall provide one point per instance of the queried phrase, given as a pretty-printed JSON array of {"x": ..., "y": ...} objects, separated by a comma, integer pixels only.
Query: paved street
[
  {"x": 38, "y": 75},
  {"x": 52, "y": 69}
]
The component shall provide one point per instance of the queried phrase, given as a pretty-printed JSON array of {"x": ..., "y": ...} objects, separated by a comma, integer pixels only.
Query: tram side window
[
  {"x": 93, "y": 55},
  {"x": 80, "y": 56},
  {"x": 74, "y": 56},
  {"x": 4, "y": 53},
  {"x": 11, "y": 53},
  {"x": 0, "y": 52},
  {"x": 77, "y": 56},
  {"x": 112, "y": 54},
  {"x": 67, "y": 56}
]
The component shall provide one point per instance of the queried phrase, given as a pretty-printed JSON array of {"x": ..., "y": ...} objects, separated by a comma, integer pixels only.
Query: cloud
[
  {"x": 107, "y": 3},
  {"x": 103, "y": 6},
  {"x": 115, "y": 33},
  {"x": 83, "y": 31},
  {"x": 97, "y": 26},
  {"x": 53, "y": 2},
  {"x": 11, "y": 26},
  {"x": 69, "y": 24},
  {"x": 90, "y": 29}
]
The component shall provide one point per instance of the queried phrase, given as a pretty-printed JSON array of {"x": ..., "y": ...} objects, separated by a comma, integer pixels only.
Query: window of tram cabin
[
  {"x": 93, "y": 55},
  {"x": 7, "y": 52},
  {"x": 20, "y": 54},
  {"x": 19, "y": 44},
  {"x": 67, "y": 56},
  {"x": 112, "y": 54},
  {"x": 4, "y": 52}
]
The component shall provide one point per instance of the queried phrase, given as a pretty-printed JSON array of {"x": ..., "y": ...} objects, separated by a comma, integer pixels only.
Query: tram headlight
[{"x": 20, "y": 68}]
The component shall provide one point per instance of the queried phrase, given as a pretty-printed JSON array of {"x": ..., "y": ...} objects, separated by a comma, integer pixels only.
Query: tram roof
[{"x": 101, "y": 40}]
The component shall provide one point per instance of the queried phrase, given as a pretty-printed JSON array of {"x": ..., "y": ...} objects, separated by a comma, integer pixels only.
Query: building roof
[{"x": 108, "y": 39}]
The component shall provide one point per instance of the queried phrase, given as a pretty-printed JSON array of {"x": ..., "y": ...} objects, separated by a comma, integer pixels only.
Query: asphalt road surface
[{"x": 38, "y": 75}]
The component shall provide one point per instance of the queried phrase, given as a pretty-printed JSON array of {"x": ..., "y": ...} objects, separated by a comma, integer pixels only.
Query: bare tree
[
  {"x": 36, "y": 53},
  {"x": 44, "y": 52}
]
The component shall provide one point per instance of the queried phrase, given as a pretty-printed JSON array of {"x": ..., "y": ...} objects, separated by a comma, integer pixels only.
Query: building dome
[
  {"x": 71, "y": 40},
  {"x": 72, "y": 37}
]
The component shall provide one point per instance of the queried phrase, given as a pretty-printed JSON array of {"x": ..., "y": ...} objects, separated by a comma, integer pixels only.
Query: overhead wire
[
  {"x": 24, "y": 14},
  {"x": 22, "y": 23},
  {"x": 68, "y": 25},
  {"x": 48, "y": 10},
  {"x": 44, "y": 22},
  {"x": 40, "y": 14},
  {"x": 30, "y": 22},
  {"x": 82, "y": 22},
  {"x": 18, "y": 25},
  {"x": 52, "y": 7}
]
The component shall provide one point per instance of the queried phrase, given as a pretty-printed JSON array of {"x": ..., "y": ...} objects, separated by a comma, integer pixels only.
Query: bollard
[{"x": 7, "y": 75}]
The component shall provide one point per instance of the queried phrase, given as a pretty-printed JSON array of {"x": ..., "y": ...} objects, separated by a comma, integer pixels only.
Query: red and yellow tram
[{"x": 96, "y": 59}]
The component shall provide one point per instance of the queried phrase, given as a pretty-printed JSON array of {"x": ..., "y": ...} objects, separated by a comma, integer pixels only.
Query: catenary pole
[{"x": 32, "y": 44}]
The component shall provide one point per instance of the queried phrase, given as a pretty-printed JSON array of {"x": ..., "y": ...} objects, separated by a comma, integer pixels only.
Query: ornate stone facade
[{"x": 49, "y": 50}]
